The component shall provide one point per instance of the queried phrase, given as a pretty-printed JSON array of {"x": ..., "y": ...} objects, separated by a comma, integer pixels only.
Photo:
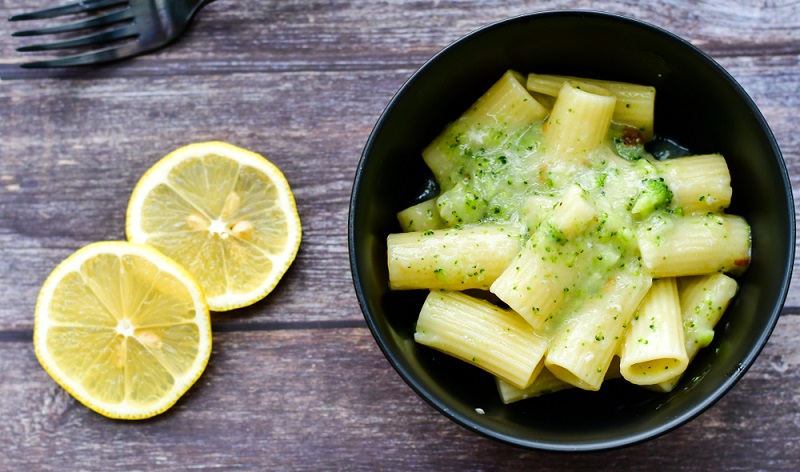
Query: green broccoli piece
[{"x": 655, "y": 196}]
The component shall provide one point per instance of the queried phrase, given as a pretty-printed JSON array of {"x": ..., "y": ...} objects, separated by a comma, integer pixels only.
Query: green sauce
[{"x": 505, "y": 176}]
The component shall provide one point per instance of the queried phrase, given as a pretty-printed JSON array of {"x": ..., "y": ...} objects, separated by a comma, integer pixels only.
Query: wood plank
[
  {"x": 359, "y": 35},
  {"x": 321, "y": 399},
  {"x": 78, "y": 150}
]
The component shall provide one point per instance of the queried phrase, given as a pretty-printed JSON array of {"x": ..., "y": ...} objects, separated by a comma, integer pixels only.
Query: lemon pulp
[
  {"x": 224, "y": 213},
  {"x": 122, "y": 328}
]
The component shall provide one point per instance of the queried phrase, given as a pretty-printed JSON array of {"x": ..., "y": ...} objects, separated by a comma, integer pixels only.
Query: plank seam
[
  {"x": 164, "y": 69},
  {"x": 26, "y": 335},
  {"x": 235, "y": 327},
  {"x": 172, "y": 68}
]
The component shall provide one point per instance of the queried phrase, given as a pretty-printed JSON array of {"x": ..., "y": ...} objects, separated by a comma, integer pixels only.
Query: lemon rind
[
  {"x": 160, "y": 170},
  {"x": 123, "y": 410}
]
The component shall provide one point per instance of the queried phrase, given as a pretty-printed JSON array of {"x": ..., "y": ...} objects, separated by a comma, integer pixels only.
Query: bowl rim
[{"x": 595, "y": 445}]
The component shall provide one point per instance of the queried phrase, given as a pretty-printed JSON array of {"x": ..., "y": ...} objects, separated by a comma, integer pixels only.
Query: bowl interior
[{"x": 698, "y": 105}]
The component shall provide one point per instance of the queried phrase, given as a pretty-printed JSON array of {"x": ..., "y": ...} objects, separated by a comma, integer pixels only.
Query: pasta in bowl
[
  {"x": 546, "y": 237},
  {"x": 550, "y": 202}
]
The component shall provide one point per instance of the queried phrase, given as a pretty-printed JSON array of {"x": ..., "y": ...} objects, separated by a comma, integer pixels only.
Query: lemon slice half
[
  {"x": 122, "y": 328},
  {"x": 225, "y": 213}
]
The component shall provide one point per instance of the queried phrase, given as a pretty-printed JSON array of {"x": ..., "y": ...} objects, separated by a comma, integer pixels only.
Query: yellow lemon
[
  {"x": 225, "y": 213},
  {"x": 122, "y": 328}
]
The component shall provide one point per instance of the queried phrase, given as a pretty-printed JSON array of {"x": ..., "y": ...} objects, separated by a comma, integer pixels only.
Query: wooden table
[{"x": 296, "y": 381}]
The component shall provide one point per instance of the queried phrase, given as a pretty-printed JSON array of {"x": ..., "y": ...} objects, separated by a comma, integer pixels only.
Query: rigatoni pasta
[
  {"x": 674, "y": 246},
  {"x": 635, "y": 104},
  {"x": 699, "y": 184},
  {"x": 582, "y": 348},
  {"x": 498, "y": 341},
  {"x": 544, "y": 384},
  {"x": 588, "y": 257},
  {"x": 421, "y": 217},
  {"x": 535, "y": 284},
  {"x": 452, "y": 259},
  {"x": 579, "y": 120},
  {"x": 507, "y": 103},
  {"x": 703, "y": 301},
  {"x": 653, "y": 350}
]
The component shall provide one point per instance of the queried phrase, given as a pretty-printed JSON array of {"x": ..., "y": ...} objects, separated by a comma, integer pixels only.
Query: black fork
[{"x": 132, "y": 27}]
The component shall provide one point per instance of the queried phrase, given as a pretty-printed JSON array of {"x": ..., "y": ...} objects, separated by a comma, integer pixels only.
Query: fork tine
[
  {"x": 95, "y": 57},
  {"x": 72, "y": 8},
  {"x": 104, "y": 20},
  {"x": 128, "y": 31}
]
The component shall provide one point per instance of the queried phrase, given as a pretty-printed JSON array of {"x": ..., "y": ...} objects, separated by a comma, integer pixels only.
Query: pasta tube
[
  {"x": 496, "y": 340},
  {"x": 653, "y": 349},
  {"x": 535, "y": 284},
  {"x": 579, "y": 120},
  {"x": 584, "y": 344},
  {"x": 420, "y": 217},
  {"x": 545, "y": 383},
  {"x": 704, "y": 299},
  {"x": 695, "y": 245},
  {"x": 699, "y": 184},
  {"x": 635, "y": 104},
  {"x": 452, "y": 259},
  {"x": 507, "y": 105}
]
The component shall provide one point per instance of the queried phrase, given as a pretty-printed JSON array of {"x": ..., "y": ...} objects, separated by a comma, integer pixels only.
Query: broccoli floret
[{"x": 655, "y": 196}]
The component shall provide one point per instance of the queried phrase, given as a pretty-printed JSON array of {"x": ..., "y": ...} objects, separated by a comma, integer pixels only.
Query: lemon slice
[
  {"x": 225, "y": 213},
  {"x": 122, "y": 328}
]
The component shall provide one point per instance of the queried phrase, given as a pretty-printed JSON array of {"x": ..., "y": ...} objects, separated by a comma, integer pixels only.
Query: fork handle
[{"x": 187, "y": 5}]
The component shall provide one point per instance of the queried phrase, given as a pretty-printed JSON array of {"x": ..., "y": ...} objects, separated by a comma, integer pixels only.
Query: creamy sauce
[{"x": 506, "y": 176}]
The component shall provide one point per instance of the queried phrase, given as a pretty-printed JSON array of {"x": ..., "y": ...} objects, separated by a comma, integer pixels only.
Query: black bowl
[{"x": 698, "y": 105}]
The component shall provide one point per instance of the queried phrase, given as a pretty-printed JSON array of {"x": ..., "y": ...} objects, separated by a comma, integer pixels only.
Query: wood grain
[
  {"x": 322, "y": 399},
  {"x": 72, "y": 188},
  {"x": 296, "y": 381},
  {"x": 281, "y": 35}
]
